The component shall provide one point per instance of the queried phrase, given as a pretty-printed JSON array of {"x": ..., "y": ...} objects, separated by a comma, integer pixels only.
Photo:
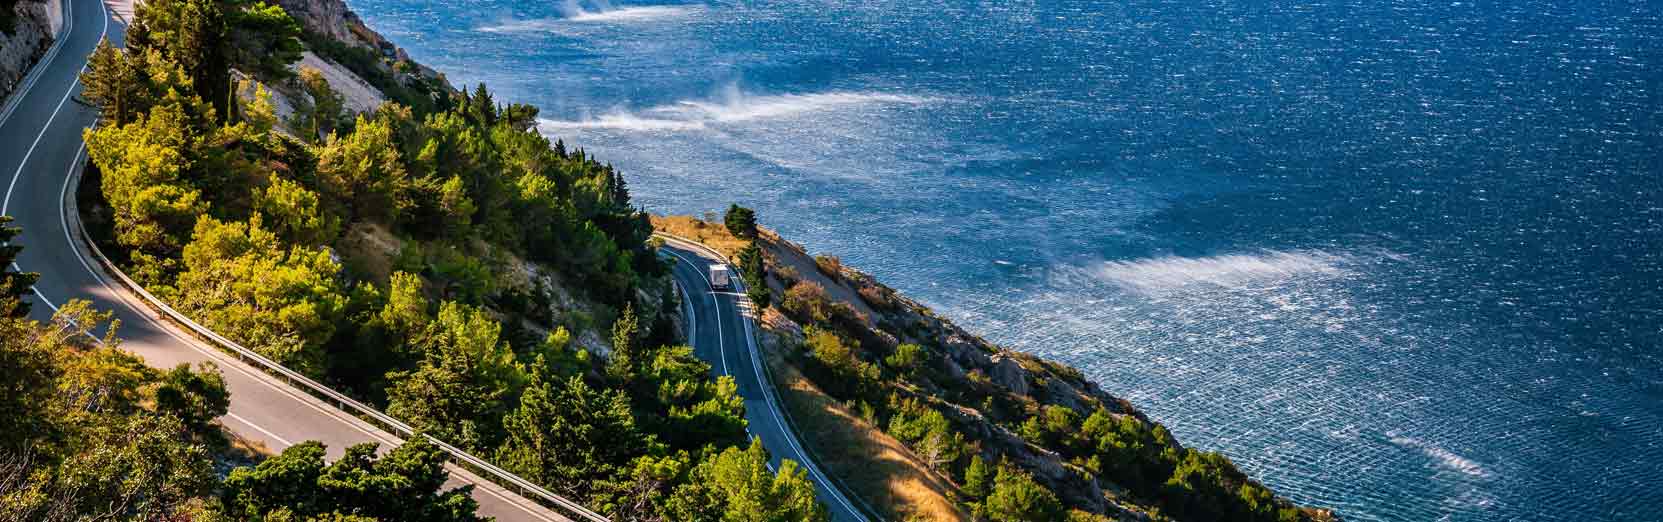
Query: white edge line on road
[
  {"x": 692, "y": 316},
  {"x": 212, "y": 354},
  {"x": 721, "y": 344},
  {"x": 693, "y": 330},
  {"x": 257, "y": 427},
  {"x": 790, "y": 438},
  {"x": 16, "y": 99},
  {"x": 6, "y": 204}
]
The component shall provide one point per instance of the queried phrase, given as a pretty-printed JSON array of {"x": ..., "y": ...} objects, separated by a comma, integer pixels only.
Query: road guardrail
[{"x": 360, "y": 410}]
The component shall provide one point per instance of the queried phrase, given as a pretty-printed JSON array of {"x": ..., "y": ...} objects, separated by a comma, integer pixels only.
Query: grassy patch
[
  {"x": 878, "y": 468},
  {"x": 713, "y": 235}
]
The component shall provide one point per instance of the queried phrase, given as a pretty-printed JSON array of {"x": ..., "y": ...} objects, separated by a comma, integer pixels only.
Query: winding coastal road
[
  {"x": 40, "y": 152},
  {"x": 721, "y": 334}
]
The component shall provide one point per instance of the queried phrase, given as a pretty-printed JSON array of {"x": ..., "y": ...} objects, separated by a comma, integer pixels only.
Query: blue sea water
[{"x": 1399, "y": 258}]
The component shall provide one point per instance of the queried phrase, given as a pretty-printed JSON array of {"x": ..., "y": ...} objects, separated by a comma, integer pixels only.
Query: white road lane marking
[
  {"x": 721, "y": 344},
  {"x": 6, "y": 203},
  {"x": 257, "y": 427},
  {"x": 790, "y": 438},
  {"x": 42, "y": 66}
]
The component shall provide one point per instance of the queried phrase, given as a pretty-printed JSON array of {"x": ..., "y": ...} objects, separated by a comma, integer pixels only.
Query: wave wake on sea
[
  {"x": 573, "y": 12},
  {"x": 731, "y": 106},
  {"x": 1169, "y": 273},
  {"x": 1444, "y": 457}
]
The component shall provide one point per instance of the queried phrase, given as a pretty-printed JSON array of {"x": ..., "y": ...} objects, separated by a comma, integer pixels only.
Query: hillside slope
[
  {"x": 436, "y": 258},
  {"x": 960, "y": 402}
]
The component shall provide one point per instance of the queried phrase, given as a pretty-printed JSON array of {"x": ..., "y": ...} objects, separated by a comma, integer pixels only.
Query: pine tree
[
  {"x": 736, "y": 486},
  {"x": 481, "y": 107},
  {"x": 113, "y": 81},
  {"x": 976, "y": 477},
  {"x": 568, "y": 435},
  {"x": 741, "y": 221},
  {"x": 13, "y": 284},
  {"x": 756, "y": 279},
  {"x": 403, "y": 484},
  {"x": 264, "y": 40},
  {"x": 193, "y": 34},
  {"x": 626, "y": 356},
  {"x": 1016, "y": 497}
]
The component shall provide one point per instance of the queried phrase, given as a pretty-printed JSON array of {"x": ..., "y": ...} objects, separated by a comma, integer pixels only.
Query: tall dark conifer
[
  {"x": 13, "y": 284},
  {"x": 191, "y": 33}
]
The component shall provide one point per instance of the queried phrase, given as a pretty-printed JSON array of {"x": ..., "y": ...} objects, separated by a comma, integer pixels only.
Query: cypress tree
[
  {"x": 756, "y": 281},
  {"x": 977, "y": 478},
  {"x": 626, "y": 356}
]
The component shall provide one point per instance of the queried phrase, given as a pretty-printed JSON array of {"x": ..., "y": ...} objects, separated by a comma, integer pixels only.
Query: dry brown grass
[
  {"x": 875, "y": 466},
  {"x": 243, "y": 451},
  {"x": 713, "y": 235}
]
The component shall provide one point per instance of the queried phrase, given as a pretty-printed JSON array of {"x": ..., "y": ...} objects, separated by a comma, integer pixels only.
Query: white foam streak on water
[
  {"x": 630, "y": 14},
  {"x": 732, "y": 106},
  {"x": 573, "y": 13},
  {"x": 737, "y": 105},
  {"x": 621, "y": 120},
  {"x": 1444, "y": 457},
  {"x": 1164, "y": 274}
]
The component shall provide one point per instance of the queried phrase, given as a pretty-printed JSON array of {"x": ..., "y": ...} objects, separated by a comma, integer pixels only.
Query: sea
[{"x": 1399, "y": 258}]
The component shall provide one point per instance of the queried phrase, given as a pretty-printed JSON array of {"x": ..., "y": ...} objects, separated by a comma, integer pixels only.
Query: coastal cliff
[{"x": 333, "y": 20}]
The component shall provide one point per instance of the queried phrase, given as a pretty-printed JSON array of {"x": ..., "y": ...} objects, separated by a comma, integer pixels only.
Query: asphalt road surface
[{"x": 720, "y": 334}]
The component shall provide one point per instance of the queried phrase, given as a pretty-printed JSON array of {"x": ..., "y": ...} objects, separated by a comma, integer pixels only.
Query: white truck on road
[{"x": 720, "y": 278}]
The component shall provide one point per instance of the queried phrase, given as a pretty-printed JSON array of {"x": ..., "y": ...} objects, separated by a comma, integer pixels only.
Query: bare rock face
[
  {"x": 1060, "y": 393},
  {"x": 1006, "y": 372},
  {"x": 30, "y": 36},
  {"x": 965, "y": 351},
  {"x": 954, "y": 371},
  {"x": 334, "y": 19}
]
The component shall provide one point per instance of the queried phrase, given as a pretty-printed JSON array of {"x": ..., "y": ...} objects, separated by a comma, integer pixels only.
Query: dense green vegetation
[
  {"x": 404, "y": 484},
  {"x": 88, "y": 432},
  {"x": 258, "y": 234}
]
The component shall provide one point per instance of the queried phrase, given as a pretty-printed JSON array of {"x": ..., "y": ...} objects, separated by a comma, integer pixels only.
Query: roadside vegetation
[
  {"x": 1009, "y": 436},
  {"x": 89, "y": 432},
  {"x": 509, "y": 302}
]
